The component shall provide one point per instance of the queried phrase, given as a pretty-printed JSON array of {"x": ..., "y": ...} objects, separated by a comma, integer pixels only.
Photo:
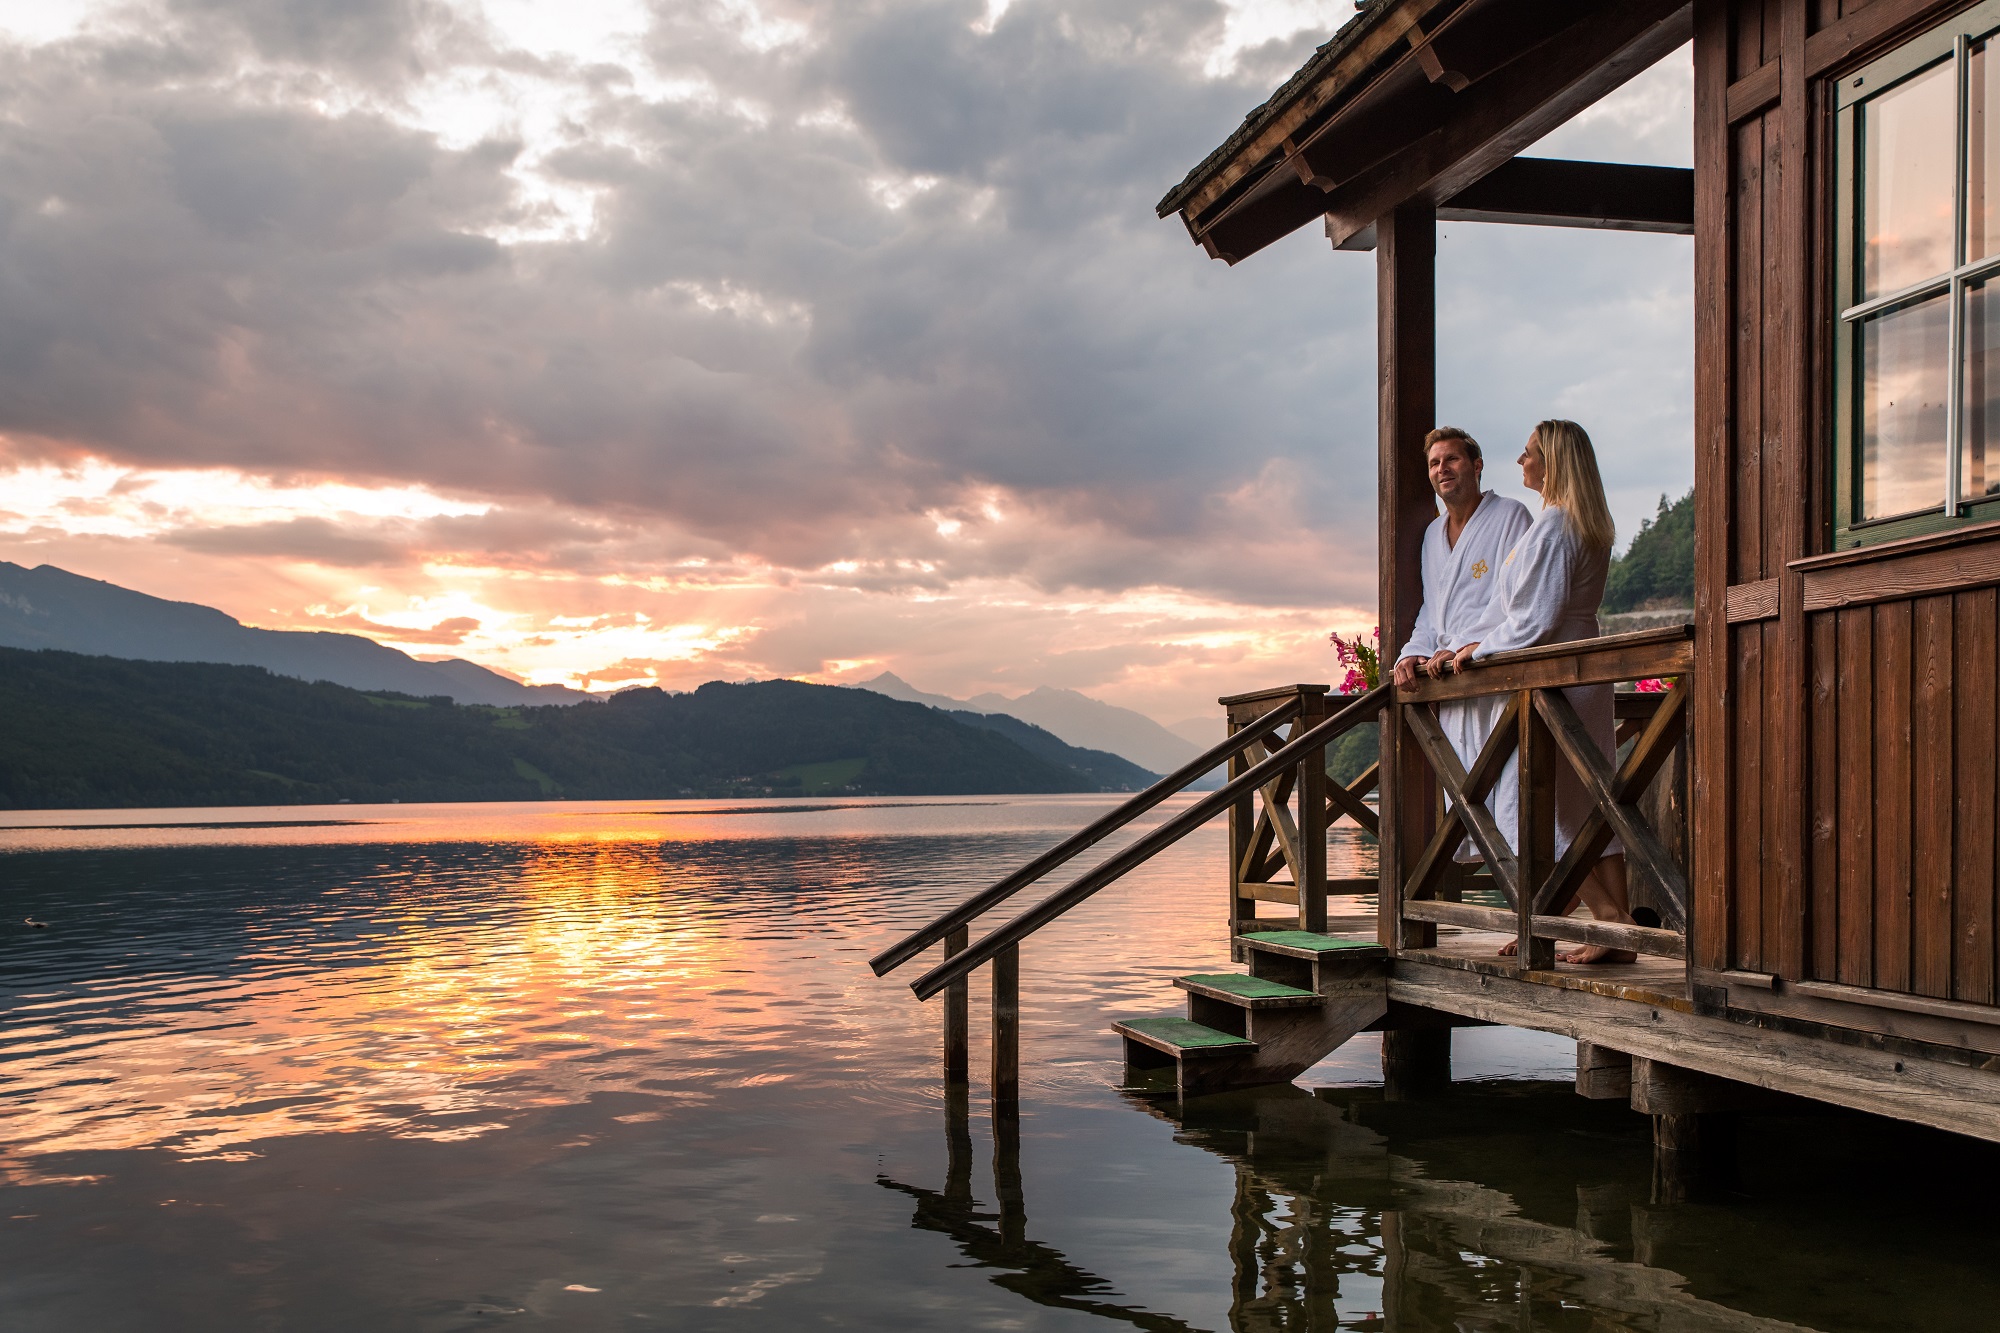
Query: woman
[{"x": 1550, "y": 586}]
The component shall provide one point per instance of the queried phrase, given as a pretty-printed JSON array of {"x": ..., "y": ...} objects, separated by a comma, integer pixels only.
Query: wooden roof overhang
[{"x": 1430, "y": 101}]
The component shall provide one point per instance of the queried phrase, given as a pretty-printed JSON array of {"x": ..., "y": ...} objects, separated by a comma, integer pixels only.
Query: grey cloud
[
  {"x": 752, "y": 351},
  {"x": 313, "y": 539},
  {"x": 371, "y": 38}
]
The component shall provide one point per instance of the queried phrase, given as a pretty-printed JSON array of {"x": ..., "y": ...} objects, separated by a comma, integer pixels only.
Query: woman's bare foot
[
  {"x": 1510, "y": 948},
  {"x": 1597, "y": 953}
]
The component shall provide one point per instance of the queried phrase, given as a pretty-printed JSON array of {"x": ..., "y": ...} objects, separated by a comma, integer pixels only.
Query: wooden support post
[
  {"x": 1006, "y": 969},
  {"x": 1406, "y": 409},
  {"x": 1691, "y": 1150},
  {"x": 1242, "y": 829},
  {"x": 1715, "y": 420},
  {"x": 957, "y": 1017},
  {"x": 1668, "y": 1090},
  {"x": 1535, "y": 834},
  {"x": 1603, "y": 1074},
  {"x": 1313, "y": 821},
  {"x": 1694, "y": 1124},
  {"x": 1416, "y": 1062}
]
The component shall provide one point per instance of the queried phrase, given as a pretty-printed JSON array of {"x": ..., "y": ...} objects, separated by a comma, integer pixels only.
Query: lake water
[{"x": 623, "y": 1066}]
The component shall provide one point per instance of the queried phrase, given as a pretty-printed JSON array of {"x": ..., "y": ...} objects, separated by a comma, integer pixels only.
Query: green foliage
[
  {"x": 1350, "y": 754},
  {"x": 835, "y": 775},
  {"x": 99, "y": 731},
  {"x": 1657, "y": 569}
]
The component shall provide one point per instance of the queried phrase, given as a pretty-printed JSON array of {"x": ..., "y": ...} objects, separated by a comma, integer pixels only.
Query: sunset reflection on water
[
  {"x": 620, "y": 1065},
  {"x": 416, "y": 970}
]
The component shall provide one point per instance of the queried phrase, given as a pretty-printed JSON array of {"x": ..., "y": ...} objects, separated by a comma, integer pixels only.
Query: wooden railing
[
  {"x": 1280, "y": 827},
  {"x": 1281, "y": 803},
  {"x": 1258, "y": 762},
  {"x": 1539, "y": 726}
]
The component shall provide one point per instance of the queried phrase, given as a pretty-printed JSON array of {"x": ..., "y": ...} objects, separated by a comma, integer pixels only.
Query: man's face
[{"x": 1454, "y": 476}]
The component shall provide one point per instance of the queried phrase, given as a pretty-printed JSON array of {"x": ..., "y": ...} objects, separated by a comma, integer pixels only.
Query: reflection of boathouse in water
[
  {"x": 1811, "y": 807},
  {"x": 1510, "y": 1206}
]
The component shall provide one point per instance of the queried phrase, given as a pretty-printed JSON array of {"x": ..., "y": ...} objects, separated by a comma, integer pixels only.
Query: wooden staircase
[
  {"x": 1304, "y": 995},
  {"x": 1307, "y": 991}
]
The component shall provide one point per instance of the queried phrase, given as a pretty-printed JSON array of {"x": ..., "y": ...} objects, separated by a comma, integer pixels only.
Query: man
[{"x": 1463, "y": 550}]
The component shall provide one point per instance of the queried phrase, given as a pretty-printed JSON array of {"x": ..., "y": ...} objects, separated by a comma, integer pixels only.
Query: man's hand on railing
[
  {"x": 1405, "y": 674},
  {"x": 1463, "y": 657},
  {"x": 1438, "y": 665}
]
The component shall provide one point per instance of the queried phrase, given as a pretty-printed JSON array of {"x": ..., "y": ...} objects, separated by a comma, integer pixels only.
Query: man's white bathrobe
[
  {"x": 1550, "y": 587},
  {"x": 1459, "y": 590}
]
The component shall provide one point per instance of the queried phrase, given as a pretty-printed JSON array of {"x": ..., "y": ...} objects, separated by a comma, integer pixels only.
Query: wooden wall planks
[
  {"x": 1890, "y": 714},
  {"x": 1747, "y": 785},
  {"x": 1903, "y": 783},
  {"x": 1709, "y": 942},
  {"x": 1854, "y": 797},
  {"x": 1847, "y": 738},
  {"x": 1973, "y": 792},
  {"x": 1825, "y": 779}
]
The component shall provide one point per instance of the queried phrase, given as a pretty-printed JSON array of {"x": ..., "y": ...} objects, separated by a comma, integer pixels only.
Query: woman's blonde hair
[{"x": 1571, "y": 483}]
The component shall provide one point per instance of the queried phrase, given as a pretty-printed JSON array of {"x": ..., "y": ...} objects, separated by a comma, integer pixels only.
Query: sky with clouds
[{"x": 613, "y": 342}]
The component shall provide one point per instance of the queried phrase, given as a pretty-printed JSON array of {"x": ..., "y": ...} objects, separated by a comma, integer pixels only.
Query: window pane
[
  {"x": 1982, "y": 215},
  {"x": 1904, "y": 383},
  {"x": 1979, "y": 464},
  {"x": 1909, "y": 136}
]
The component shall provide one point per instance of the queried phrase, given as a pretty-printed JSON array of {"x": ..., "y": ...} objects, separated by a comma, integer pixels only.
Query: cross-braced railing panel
[
  {"x": 1540, "y": 729},
  {"x": 1274, "y": 824},
  {"x": 1278, "y": 832},
  {"x": 1614, "y": 796},
  {"x": 1466, "y": 791}
]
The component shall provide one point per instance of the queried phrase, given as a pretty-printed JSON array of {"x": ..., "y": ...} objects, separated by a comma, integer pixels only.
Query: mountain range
[
  {"x": 50, "y": 608},
  {"x": 47, "y": 607},
  {"x": 94, "y": 732},
  {"x": 1077, "y": 718}
]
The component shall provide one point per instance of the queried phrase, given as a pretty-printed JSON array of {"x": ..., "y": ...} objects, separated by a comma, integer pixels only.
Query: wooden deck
[
  {"x": 1649, "y": 981},
  {"x": 1656, "y": 981}
]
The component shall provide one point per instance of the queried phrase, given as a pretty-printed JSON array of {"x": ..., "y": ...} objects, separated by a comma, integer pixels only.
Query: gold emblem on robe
[{"x": 1479, "y": 568}]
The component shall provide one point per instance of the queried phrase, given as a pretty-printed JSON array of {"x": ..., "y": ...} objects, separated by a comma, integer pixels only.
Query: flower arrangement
[{"x": 1363, "y": 659}]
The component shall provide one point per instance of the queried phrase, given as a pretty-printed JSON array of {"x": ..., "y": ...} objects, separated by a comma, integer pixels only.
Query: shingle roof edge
[{"x": 1288, "y": 92}]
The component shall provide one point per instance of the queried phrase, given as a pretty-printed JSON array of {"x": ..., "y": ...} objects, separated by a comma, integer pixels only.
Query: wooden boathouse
[{"x": 1811, "y": 807}]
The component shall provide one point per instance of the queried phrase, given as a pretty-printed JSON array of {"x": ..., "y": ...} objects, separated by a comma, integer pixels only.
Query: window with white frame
[{"x": 1918, "y": 285}]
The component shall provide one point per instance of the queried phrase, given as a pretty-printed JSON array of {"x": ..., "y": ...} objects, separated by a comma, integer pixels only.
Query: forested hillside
[
  {"x": 99, "y": 731},
  {"x": 1657, "y": 569}
]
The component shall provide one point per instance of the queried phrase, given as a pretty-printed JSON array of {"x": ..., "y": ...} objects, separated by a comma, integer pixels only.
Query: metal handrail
[
  {"x": 959, "y": 964},
  {"x": 1082, "y": 840}
]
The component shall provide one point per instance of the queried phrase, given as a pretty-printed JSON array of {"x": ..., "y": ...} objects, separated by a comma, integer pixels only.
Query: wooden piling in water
[
  {"x": 957, "y": 1017},
  {"x": 1416, "y": 1062},
  {"x": 1006, "y": 969}
]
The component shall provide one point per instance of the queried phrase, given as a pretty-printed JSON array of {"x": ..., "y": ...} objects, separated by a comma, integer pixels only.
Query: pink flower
[
  {"x": 1361, "y": 657},
  {"x": 1654, "y": 685}
]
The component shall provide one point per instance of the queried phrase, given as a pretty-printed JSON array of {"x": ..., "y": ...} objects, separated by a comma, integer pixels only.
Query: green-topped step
[
  {"x": 1181, "y": 1038},
  {"x": 1247, "y": 992},
  {"x": 1311, "y": 945}
]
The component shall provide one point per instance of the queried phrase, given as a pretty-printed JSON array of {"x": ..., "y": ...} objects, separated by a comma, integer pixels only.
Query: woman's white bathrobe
[
  {"x": 1550, "y": 587},
  {"x": 1459, "y": 592}
]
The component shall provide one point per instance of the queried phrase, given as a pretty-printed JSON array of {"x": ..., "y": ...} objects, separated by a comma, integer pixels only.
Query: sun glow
[
  {"x": 604, "y": 603},
  {"x": 425, "y": 1040}
]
